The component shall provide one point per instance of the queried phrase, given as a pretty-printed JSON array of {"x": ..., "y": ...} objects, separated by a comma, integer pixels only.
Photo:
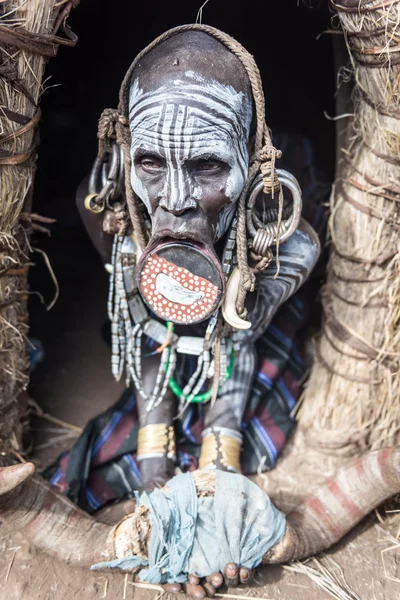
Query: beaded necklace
[{"x": 130, "y": 320}]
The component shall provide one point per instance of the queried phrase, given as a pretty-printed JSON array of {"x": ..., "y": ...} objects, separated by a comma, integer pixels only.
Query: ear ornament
[{"x": 263, "y": 224}]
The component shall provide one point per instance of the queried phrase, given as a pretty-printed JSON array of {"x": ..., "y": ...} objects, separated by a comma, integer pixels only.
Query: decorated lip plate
[{"x": 180, "y": 283}]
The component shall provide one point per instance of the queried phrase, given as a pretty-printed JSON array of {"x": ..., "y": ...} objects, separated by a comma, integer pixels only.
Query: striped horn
[
  {"x": 51, "y": 521},
  {"x": 342, "y": 502},
  {"x": 11, "y": 477},
  {"x": 58, "y": 527}
]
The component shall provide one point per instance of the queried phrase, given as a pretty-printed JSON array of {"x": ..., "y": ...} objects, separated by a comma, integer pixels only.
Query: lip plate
[{"x": 185, "y": 254}]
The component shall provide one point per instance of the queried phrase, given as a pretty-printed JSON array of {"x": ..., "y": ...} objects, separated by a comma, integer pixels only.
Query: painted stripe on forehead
[
  {"x": 176, "y": 193},
  {"x": 191, "y": 94},
  {"x": 226, "y": 101},
  {"x": 199, "y": 120},
  {"x": 197, "y": 108},
  {"x": 194, "y": 131},
  {"x": 170, "y": 180},
  {"x": 183, "y": 180},
  {"x": 201, "y": 112},
  {"x": 224, "y": 93},
  {"x": 159, "y": 126}
]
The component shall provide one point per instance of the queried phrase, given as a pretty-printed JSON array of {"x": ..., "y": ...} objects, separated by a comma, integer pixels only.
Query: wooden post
[
  {"x": 28, "y": 38},
  {"x": 352, "y": 402}
]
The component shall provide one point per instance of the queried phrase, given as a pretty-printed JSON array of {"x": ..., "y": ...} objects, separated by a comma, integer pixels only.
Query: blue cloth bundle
[{"x": 201, "y": 535}]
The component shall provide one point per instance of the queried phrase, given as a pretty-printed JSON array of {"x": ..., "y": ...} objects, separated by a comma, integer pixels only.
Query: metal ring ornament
[
  {"x": 116, "y": 172},
  {"x": 92, "y": 205},
  {"x": 265, "y": 235},
  {"x": 106, "y": 180}
]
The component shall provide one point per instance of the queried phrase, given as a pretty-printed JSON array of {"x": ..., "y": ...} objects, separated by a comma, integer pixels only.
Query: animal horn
[
  {"x": 342, "y": 502},
  {"x": 12, "y": 476},
  {"x": 51, "y": 521},
  {"x": 229, "y": 311}
]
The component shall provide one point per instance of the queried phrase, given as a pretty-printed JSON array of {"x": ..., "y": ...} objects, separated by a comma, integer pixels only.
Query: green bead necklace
[{"x": 205, "y": 396}]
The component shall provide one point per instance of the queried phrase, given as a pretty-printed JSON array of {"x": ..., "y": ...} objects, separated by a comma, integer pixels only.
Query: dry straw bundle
[
  {"x": 352, "y": 398},
  {"x": 27, "y": 40}
]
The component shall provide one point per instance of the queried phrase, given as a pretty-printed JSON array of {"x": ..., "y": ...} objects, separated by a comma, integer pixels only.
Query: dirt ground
[{"x": 74, "y": 383}]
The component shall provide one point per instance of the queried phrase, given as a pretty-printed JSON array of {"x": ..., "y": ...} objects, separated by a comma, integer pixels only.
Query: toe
[
  {"x": 246, "y": 575},
  {"x": 172, "y": 588},
  {"x": 195, "y": 591},
  {"x": 231, "y": 574},
  {"x": 193, "y": 580},
  {"x": 216, "y": 580},
  {"x": 209, "y": 589}
]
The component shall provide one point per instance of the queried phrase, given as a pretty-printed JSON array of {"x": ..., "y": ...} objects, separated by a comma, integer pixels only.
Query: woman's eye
[
  {"x": 208, "y": 165},
  {"x": 150, "y": 164}
]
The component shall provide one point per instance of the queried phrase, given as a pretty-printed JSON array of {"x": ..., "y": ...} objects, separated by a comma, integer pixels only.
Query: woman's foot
[{"x": 197, "y": 588}]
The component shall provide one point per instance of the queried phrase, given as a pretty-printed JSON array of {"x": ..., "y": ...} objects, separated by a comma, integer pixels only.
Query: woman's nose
[
  {"x": 177, "y": 205},
  {"x": 177, "y": 197},
  {"x": 177, "y": 212}
]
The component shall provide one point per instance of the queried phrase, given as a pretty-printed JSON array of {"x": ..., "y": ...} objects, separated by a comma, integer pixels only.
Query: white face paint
[{"x": 187, "y": 121}]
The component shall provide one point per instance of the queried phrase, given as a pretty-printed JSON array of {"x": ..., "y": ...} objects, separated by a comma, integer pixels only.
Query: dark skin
[
  {"x": 200, "y": 588},
  {"x": 155, "y": 472}
]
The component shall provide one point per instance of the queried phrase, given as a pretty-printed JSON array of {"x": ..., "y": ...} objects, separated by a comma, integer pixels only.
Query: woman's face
[
  {"x": 189, "y": 155},
  {"x": 189, "y": 166}
]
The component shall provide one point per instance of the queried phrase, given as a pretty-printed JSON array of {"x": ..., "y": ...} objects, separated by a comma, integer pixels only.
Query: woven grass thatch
[
  {"x": 22, "y": 62},
  {"x": 352, "y": 398}
]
